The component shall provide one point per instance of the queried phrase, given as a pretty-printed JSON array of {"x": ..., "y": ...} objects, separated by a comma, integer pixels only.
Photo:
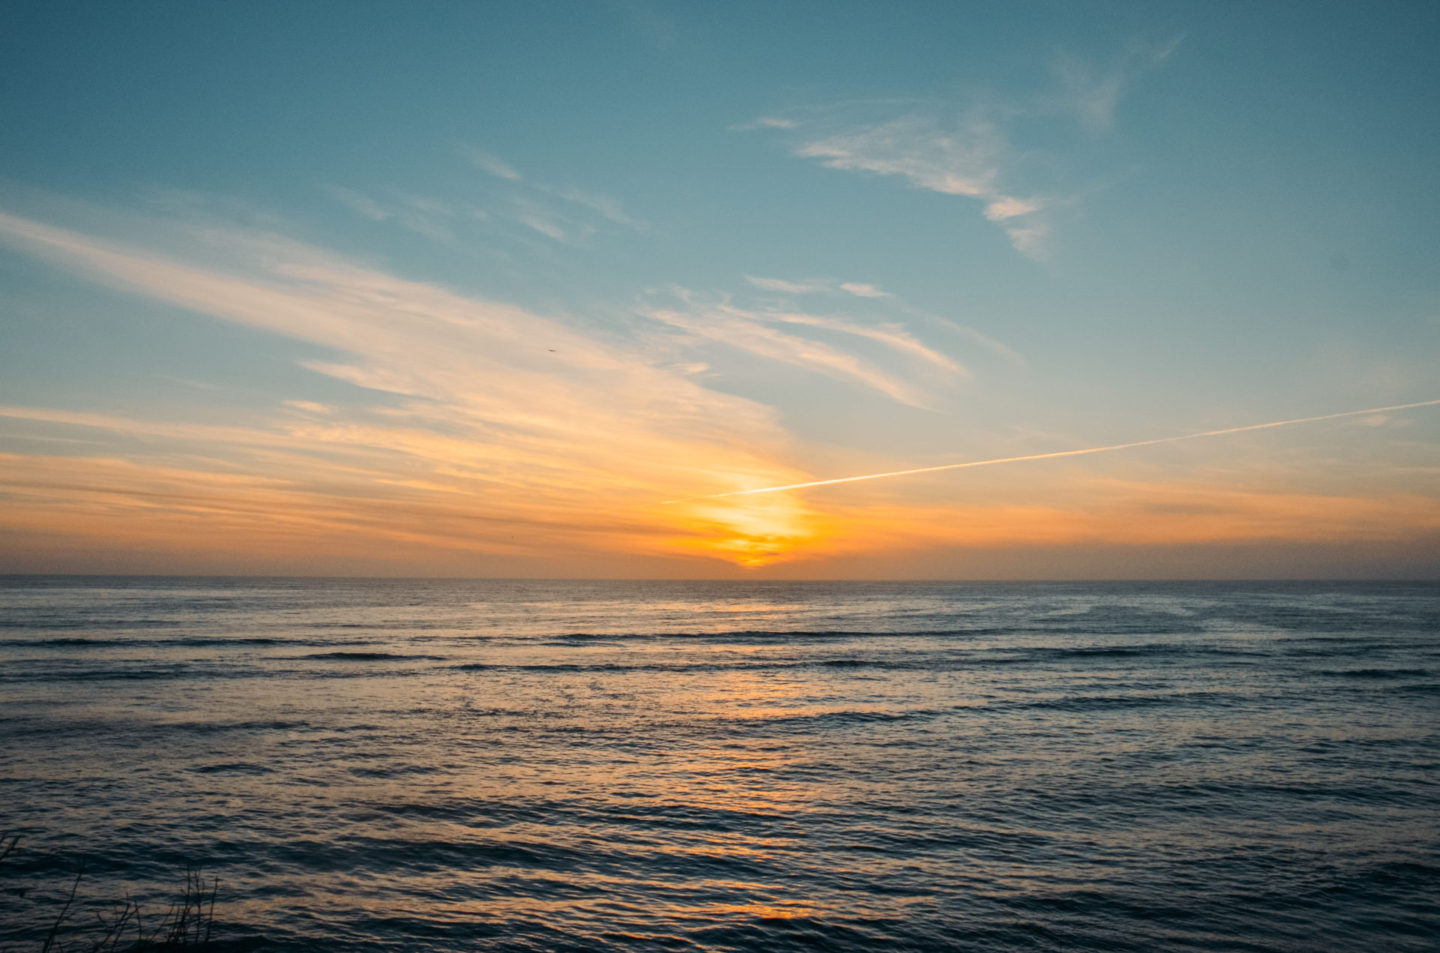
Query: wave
[
  {"x": 186, "y": 642},
  {"x": 239, "y": 767},
  {"x": 341, "y": 656},
  {"x": 1375, "y": 673}
]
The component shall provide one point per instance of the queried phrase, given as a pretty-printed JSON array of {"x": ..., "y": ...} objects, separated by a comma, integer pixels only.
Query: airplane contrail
[{"x": 1056, "y": 454}]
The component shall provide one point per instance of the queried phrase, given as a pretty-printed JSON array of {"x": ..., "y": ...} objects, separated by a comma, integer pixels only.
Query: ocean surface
[{"x": 379, "y": 765}]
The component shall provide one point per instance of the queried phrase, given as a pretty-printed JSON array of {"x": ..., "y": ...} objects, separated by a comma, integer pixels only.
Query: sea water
[{"x": 602, "y": 766}]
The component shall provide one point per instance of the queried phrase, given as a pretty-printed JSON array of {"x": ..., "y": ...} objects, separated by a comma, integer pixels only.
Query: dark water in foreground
[{"x": 385, "y": 765}]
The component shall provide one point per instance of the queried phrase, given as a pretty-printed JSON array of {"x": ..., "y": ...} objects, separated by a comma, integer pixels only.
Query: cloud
[
  {"x": 185, "y": 507},
  {"x": 517, "y": 416},
  {"x": 362, "y": 205},
  {"x": 310, "y": 407},
  {"x": 542, "y": 225},
  {"x": 1004, "y": 206},
  {"x": 788, "y": 287},
  {"x": 970, "y": 152},
  {"x": 564, "y": 214},
  {"x": 607, "y": 207},
  {"x": 1132, "y": 513},
  {"x": 743, "y": 332},
  {"x": 1029, "y": 238},
  {"x": 561, "y": 213},
  {"x": 890, "y": 331},
  {"x": 817, "y": 286},
  {"x": 762, "y": 333},
  {"x": 493, "y": 164},
  {"x": 420, "y": 214},
  {"x": 483, "y": 436},
  {"x": 862, "y": 290},
  {"x": 891, "y": 335},
  {"x": 965, "y": 159},
  {"x": 1091, "y": 94},
  {"x": 956, "y": 161},
  {"x": 575, "y": 217},
  {"x": 766, "y": 122}
]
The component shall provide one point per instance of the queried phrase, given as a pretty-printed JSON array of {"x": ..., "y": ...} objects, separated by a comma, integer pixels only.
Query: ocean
[{"x": 387, "y": 765}]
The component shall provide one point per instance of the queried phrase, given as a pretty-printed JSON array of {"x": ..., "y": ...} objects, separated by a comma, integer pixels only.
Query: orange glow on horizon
[
  {"x": 749, "y": 532},
  {"x": 177, "y": 518}
]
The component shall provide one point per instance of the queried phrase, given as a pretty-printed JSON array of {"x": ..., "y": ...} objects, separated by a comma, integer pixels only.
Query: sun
[{"x": 747, "y": 531}]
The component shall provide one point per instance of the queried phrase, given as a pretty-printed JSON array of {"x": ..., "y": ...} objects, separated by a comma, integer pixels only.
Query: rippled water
[{"x": 385, "y": 765}]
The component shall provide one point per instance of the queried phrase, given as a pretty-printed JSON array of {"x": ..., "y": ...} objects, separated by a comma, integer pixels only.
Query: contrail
[{"x": 1056, "y": 454}]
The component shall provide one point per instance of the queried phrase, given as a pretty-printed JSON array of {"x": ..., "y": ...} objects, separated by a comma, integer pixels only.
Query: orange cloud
[
  {"x": 488, "y": 433},
  {"x": 1131, "y": 513},
  {"x": 484, "y": 417}
]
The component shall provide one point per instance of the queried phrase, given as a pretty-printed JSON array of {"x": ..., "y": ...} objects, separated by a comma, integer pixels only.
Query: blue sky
[{"x": 475, "y": 288}]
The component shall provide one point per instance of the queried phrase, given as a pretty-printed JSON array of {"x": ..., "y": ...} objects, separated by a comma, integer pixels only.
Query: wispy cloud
[
  {"x": 973, "y": 156},
  {"x": 966, "y": 159},
  {"x": 310, "y": 407},
  {"x": 565, "y": 214},
  {"x": 1125, "y": 531},
  {"x": 607, "y": 207},
  {"x": 959, "y": 161},
  {"x": 743, "y": 332},
  {"x": 1091, "y": 93},
  {"x": 769, "y": 333},
  {"x": 362, "y": 205},
  {"x": 765, "y": 122},
  {"x": 493, "y": 164},
  {"x": 545, "y": 226},
  {"x": 538, "y": 205},
  {"x": 859, "y": 289},
  {"x": 519, "y": 416},
  {"x": 430, "y": 217},
  {"x": 891, "y": 304},
  {"x": 1007, "y": 206},
  {"x": 891, "y": 335},
  {"x": 484, "y": 430},
  {"x": 785, "y": 286},
  {"x": 1029, "y": 237}
]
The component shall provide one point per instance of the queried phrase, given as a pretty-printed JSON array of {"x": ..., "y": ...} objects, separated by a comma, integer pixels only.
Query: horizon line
[{"x": 727, "y": 579}]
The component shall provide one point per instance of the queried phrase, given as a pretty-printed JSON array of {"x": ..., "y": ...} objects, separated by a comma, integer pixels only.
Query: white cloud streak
[{"x": 1058, "y": 454}]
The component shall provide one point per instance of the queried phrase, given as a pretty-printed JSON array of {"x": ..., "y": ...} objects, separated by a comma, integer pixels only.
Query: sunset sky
[{"x": 522, "y": 289}]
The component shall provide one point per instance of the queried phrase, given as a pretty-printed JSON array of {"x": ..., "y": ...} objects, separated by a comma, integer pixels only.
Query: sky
[{"x": 543, "y": 289}]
